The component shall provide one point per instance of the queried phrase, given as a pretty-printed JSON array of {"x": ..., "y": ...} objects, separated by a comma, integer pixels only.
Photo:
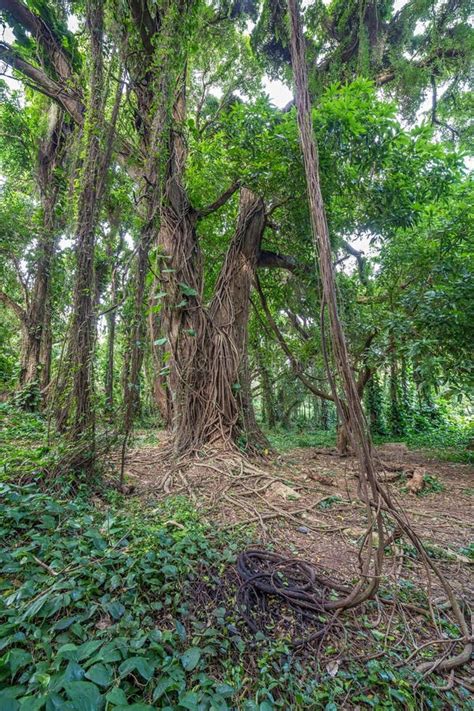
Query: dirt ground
[{"x": 305, "y": 502}]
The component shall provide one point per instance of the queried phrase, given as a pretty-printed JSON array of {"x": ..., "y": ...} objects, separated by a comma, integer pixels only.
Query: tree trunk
[
  {"x": 34, "y": 378},
  {"x": 113, "y": 256},
  {"x": 208, "y": 346},
  {"x": 159, "y": 353},
  {"x": 351, "y": 409},
  {"x": 109, "y": 360},
  {"x": 269, "y": 407},
  {"x": 343, "y": 441},
  {"x": 79, "y": 411}
]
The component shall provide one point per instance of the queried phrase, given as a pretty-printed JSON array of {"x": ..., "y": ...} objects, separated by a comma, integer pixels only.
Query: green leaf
[
  {"x": 163, "y": 685},
  {"x": 35, "y": 607},
  {"x": 9, "y": 705},
  {"x": 17, "y": 658},
  {"x": 187, "y": 290},
  {"x": 87, "y": 649},
  {"x": 64, "y": 623},
  {"x": 190, "y": 701},
  {"x": 100, "y": 675},
  {"x": 190, "y": 658},
  {"x": 74, "y": 672},
  {"x": 117, "y": 696},
  {"x": 160, "y": 341},
  {"x": 84, "y": 696},
  {"x": 32, "y": 703},
  {"x": 139, "y": 664},
  {"x": 115, "y": 609},
  {"x": 225, "y": 690}
]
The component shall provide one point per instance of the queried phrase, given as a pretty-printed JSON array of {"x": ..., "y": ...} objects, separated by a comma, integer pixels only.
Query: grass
[
  {"x": 284, "y": 440},
  {"x": 446, "y": 443}
]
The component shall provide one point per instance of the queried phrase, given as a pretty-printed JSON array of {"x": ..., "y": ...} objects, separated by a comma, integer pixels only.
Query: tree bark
[
  {"x": 351, "y": 410},
  {"x": 34, "y": 358},
  {"x": 77, "y": 413}
]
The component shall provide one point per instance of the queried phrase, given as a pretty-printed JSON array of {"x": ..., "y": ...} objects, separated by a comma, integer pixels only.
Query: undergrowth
[
  {"x": 98, "y": 608},
  {"x": 446, "y": 442},
  {"x": 107, "y": 604},
  {"x": 284, "y": 440}
]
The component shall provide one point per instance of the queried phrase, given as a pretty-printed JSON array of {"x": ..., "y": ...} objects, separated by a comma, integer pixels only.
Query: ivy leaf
[
  {"x": 139, "y": 664},
  {"x": 187, "y": 290},
  {"x": 84, "y": 696},
  {"x": 190, "y": 701},
  {"x": 100, "y": 675},
  {"x": 115, "y": 609},
  {"x": 117, "y": 696},
  {"x": 17, "y": 658},
  {"x": 190, "y": 658}
]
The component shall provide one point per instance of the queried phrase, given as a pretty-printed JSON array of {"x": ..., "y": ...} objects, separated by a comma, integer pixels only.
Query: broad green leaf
[
  {"x": 190, "y": 658},
  {"x": 100, "y": 675},
  {"x": 117, "y": 696},
  {"x": 84, "y": 696},
  {"x": 139, "y": 664}
]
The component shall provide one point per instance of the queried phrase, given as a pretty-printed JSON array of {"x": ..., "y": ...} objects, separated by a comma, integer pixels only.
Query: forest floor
[
  {"x": 305, "y": 503},
  {"x": 135, "y": 600}
]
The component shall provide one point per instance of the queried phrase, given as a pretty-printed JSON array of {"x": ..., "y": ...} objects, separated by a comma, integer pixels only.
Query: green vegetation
[
  {"x": 117, "y": 607},
  {"x": 190, "y": 265}
]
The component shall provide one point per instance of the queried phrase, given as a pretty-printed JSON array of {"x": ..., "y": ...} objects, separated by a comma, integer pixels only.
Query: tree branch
[
  {"x": 389, "y": 75},
  {"x": 221, "y": 200},
  {"x": 272, "y": 260},
  {"x": 434, "y": 106},
  {"x": 361, "y": 260},
  {"x": 12, "y": 304},
  {"x": 297, "y": 326},
  {"x": 295, "y": 364},
  {"x": 70, "y": 102},
  {"x": 144, "y": 22},
  {"x": 45, "y": 36}
]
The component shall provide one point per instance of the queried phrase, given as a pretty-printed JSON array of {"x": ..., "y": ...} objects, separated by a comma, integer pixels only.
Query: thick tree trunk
[{"x": 208, "y": 346}]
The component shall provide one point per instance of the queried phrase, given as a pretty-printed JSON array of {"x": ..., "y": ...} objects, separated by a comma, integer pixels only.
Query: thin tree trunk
[
  {"x": 80, "y": 413},
  {"x": 113, "y": 255},
  {"x": 34, "y": 378},
  {"x": 268, "y": 399},
  {"x": 160, "y": 388},
  {"x": 351, "y": 413}
]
